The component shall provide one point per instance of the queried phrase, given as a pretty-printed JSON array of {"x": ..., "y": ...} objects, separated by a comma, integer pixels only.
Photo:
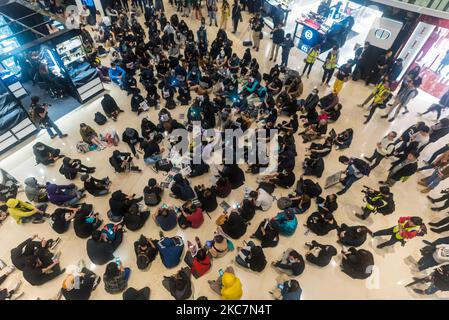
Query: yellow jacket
[
  {"x": 313, "y": 54},
  {"x": 18, "y": 209},
  {"x": 232, "y": 287}
]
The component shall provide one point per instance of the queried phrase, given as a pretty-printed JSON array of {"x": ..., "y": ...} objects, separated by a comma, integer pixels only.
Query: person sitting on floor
[
  {"x": 191, "y": 216},
  {"x": 357, "y": 263},
  {"x": 344, "y": 139},
  {"x": 70, "y": 168},
  {"x": 100, "y": 250},
  {"x": 80, "y": 285},
  {"x": 116, "y": 277},
  {"x": 60, "y": 219},
  {"x": 123, "y": 162},
  {"x": 39, "y": 271},
  {"x": 321, "y": 224},
  {"x": 23, "y": 212},
  {"x": 207, "y": 197},
  {"x": 152, "y": 193},
  {"x": 267, "y": 234},
  {"x": 170, "y": 250},
  {"x": 328, "y": 205},
  {"x": 353, "y": 236},
  {"x": 64, "y": 195},
  {"x": 34, "y": 191},
  {"x": 228, "y": 286},
  {"x": 166, "y": 218},
  {"x": 292, "y": 263},
  {"x": 28, "y": 249},
  {"x": 110, "y": 107},
  {"x": 179, "y": 285},
  {"x": 45, "y": 154},
  {"x": 251, "y": 257},
  {"x": 181, "y": 188},
  {"x": 135, "y": 218},
  {"x": 234, "y": 225},
  {"x": 90, "y": 137},
  {"x": 219, "y": 246},
  {"x": 146, "y": 251},
  {"x": 286, "y": 222},
  {"x": 287, "y": 289},
  {"x": 96, "y": 187},
  {"x": 198, "y": 259},
  {"x": 86, "y": 221},
  {"x": 318, "y": 254},
  {"x": 120, "y": 203},
  {"x": 313, "y": 166}
]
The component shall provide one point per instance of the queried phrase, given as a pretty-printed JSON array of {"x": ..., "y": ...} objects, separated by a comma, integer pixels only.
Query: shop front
[{"x": 40, "y": 57}]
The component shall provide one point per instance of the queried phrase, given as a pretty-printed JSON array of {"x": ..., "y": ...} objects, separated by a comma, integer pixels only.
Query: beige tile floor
[{"x": 326, "y": 283}]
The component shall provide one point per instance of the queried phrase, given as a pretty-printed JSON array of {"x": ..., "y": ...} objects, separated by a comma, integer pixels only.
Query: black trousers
[
  {"x": 442, "y": 224},
  {"x": 387, "y": 232},
  {"x": 377, "y": 157},
  {"x": 438, "y": 152},
  {"x": 444, "y": 198},
  {"x": 327, "y": 75},
  {"x": 235, "y": 23},
  {"x": 307, "y": 66}
]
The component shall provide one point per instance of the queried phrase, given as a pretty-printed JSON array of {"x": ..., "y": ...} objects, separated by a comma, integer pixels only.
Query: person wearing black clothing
[
  {"x": 278, "y": 39},
  {"x": 267, "y": 233},
  {"x": 96, "y": 187},
  {"x": 357, "y": 263},
  {"x": 39, "y": 114},
  {"x": 395, "y": 70},
  {"x": 45, "y": 154},
  {"x": 251, "y": 257},
  {"x": 147, "y": 128},
  {"x": 207, "y": 197},
  {"x": 71, "y": 167},
  {"x": 136, "y": 103},
  {"x": 181, "y": 188},
  {"x": 360, "y": 59},
  {"x": 152, "y": 151},
  {"x": 292, "y": 263},
  {"x": 120, "y": 204},
  {"x": 179, "y": 285},
  {"x": 234, "y": 225},
  {"x": 80, "y": 287},
  {"x": 319, "y": 254},
  {"x": 438, "y": 107},
  {"x": 235, "y": 175},
  {"x": 146, "y": 251},
  {"x": 380, "y": 68},
  {"x": 123, "y": 162},
  {"x": 99, "y": 250},
  {"x": 313, "y": 166},
  {"x": 321, "y": 224},
  {"x": 135, "y": 219},
  {"x": 353, "y": 236},
  {"x": 247, "y": 209},
  {"x": 138, "y": 295},
  {"x": 39, "y": 271},
  {"x": 152, "y": 193},
  {"x": 402, "y": 168},
  {"x": 24, "y": 252},
  {"x": 61, "y": 218},
  {"x": 110, "y": 107},
  {"x": 329, "y": 205},
  {"x": 236, "y": 15},
  {"x": 444, "y": 197},
  {"x": 86, "y": 222},
  {"x": 131, "y": 137}
]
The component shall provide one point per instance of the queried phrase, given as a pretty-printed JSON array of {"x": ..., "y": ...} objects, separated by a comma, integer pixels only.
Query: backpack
[
  {"x": 100, "y": 118},
  {"x": 362, "y": 166},
  {"x": 284, "y": 203},
  {"x": 82, "y": 147},
  {"x": 163, "y": 165},
  {"x": 112, "y": 138},
  {"x": 151, "y": 199}
]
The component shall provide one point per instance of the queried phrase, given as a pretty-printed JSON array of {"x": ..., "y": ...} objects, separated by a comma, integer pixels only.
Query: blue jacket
[
  {"x": 114, "y": 74},
  {"x": 286, "y": 227},
  {"x": 171, "y": 250}
]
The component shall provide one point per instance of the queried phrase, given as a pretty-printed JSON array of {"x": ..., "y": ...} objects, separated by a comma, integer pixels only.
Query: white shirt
[
  {"x": 264, "y": 200},
  {"x": 386, "y": 146}
]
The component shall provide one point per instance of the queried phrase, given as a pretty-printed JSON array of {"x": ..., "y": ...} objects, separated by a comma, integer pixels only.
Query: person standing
[
  {"x": 225, "y": 13},
  {"x": 212, "y": 11},
  {"x": 256, "y": 25},
  {"x": 379, "y": 69},
  {"x": 381, "y": 97},
  {"x": 360, "y": 59},
  {"x": 402, "y": 169},
  {"x": 438, "y": 107},
  {"x": 312, "y": 55},
  {"x": 342, "y": 76},
  {"x": 287, "y": 45},
  {"x": 401, "y": 100},
  {"x": 329, "y": 65},
  {"x": 278, "y": 39},
  {"x": 444, "y": 62},
  {"x": 236, "y": 15},
  {"x": 40, "y": 116},
  {"x": 384, "y": 149},
  {"x": 406, "y": 229}
]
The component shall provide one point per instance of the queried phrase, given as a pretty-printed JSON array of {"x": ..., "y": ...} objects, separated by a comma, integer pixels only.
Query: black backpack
[
  {"x": 362, "y": 166},
  {"x": 163, "y": 165},
  {"x": 100, "y": 118}
]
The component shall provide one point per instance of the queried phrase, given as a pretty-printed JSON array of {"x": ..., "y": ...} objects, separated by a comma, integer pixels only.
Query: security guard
[
  {"x": 377, "y": 202},
  {"x": 310, "y": 60},
  {"x": 329, "y": 65},
  {"x": 381, "y": 97}
]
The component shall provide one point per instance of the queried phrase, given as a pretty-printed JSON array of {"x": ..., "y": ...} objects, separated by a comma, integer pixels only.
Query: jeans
[
  {"x": 212, "y": 17},
  {"x": 50, "y": 126},
  {"x": 436, "y": 107},
  {"x": 348, "y": 181},
  {"x": 243, "y": 253},
  {"x": 284, "y": 58},
  {"x": 433, "y": 180},
  {"x": 427, "y": 261},
  {"x": 431, "y": 289},
  {"x": 152, "y": 159}
]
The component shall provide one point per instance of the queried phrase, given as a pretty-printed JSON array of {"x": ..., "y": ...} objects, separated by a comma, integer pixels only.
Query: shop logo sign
[
  {"x": 382, "y": 34},
  {"x": 308, "y": 34}
]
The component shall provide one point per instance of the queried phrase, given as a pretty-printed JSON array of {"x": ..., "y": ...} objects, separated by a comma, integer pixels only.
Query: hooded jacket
[
  {"x": 34, "y": 191},
  {"x": 60, "y": 194},
  {"x": 18, "y": 209},
  {"x": 232, "y": 287},
  {"x": 171, "y": 250}
]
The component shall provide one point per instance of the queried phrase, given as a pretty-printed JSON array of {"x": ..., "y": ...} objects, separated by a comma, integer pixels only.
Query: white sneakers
[{"x": 2, "y": 264}]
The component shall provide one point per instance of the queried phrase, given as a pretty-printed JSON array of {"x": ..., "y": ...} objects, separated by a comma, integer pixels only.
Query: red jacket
[{"x": 199, "y": 268}]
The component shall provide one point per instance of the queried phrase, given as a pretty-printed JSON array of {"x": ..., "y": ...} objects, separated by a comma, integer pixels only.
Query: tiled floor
[{"x": 326, "y": 283}]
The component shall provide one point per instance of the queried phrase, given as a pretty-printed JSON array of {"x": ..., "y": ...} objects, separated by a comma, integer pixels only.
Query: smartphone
[
  {"x": 117, "y": 261},
  {"x": 281, "y": 286},
  {"x": 209, "y": 244},
  {"x": 225, "y": 205},
  {"x": 221, "y": 272},
  {"x": 164, "y": 206}
]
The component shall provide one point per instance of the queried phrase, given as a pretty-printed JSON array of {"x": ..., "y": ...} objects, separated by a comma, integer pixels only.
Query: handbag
[{"x": 261, "y": 35}]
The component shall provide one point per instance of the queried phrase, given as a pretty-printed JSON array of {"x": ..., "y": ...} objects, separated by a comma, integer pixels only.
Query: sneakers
[
  {"x": 16, "y": 296},
  {"x": 16, "y": 286},
  {"x": 81, "y": 264},
  {"x": 55, "y": 243},
  {"x": 2, "y": 264},
  {"x": 96, "y": 282},
  {"x": 9, "y": 269}
]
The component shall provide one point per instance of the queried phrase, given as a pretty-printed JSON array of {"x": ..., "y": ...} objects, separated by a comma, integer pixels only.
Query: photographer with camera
[
  {"x": 377, "y": 202},
  {"x": 39, "y": 115}
]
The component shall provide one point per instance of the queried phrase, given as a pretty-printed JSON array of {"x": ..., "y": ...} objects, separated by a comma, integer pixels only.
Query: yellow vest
[
  {"x": 381, "y": 95},
  {"x": 332, "y": 62},
  {"x": 409, "y": 229},
  {"x": 311, "y": 57}
]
